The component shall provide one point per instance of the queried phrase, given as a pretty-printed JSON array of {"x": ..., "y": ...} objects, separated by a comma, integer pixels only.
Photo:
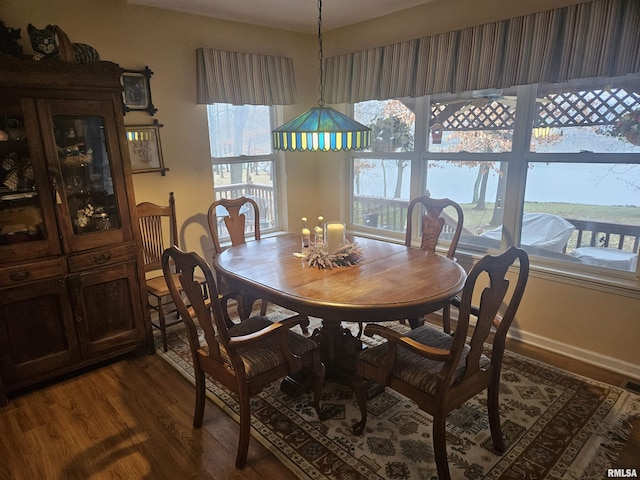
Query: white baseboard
[
  {"x": 587, "y": 356},
  {"x": 580, "y": 354}
]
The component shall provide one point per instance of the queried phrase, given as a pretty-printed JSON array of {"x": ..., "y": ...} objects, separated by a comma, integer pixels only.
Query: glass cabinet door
[
  {"x": 86, "y": 173},
  {"x": 92, "y": 206},
  {"x": 27, "y": 221}
]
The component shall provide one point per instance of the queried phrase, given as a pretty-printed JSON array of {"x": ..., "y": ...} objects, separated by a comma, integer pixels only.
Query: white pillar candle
[{"x": 334, "y": 236}]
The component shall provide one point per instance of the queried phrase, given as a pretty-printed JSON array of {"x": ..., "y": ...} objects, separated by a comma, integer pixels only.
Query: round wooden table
[{"x": 391, "y": 282}]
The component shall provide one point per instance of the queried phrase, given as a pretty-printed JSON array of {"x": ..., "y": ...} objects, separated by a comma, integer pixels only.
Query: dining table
[{"x": 390, "y": 282}]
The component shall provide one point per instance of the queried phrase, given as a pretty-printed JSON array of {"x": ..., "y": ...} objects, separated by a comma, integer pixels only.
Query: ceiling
[{"x": 295, "y": 15}]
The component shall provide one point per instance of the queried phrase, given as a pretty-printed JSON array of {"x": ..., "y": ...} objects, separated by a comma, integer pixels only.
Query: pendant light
[{"x": 321, "y": 128}]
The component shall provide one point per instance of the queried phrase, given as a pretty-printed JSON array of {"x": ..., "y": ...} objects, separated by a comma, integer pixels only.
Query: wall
[{"x": 578, "y": 318}]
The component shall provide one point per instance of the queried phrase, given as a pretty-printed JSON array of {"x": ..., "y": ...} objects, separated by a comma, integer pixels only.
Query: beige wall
[{"x": 582, "y": 319}]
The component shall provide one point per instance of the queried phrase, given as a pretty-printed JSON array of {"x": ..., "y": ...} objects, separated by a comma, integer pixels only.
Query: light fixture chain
[{"x": 320, "y": 70}]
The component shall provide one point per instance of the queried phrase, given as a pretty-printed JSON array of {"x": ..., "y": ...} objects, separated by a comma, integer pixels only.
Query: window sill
[{"x": 546, "y": 269}]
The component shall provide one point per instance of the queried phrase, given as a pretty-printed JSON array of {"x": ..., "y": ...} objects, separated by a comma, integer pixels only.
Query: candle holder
[{"x": 334, "y": 235}]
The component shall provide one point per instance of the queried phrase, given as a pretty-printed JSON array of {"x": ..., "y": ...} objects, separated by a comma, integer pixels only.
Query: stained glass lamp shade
[
  {"x": 324, "y": 129},
  {"x": 321, "y": 128}
]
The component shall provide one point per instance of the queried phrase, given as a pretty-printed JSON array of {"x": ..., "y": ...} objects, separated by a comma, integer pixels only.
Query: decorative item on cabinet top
[
  {"x": 145, "y": 149},
  {"x": 136, "y": 94}
]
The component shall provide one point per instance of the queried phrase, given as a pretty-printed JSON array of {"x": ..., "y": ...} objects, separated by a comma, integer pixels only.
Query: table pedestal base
[{"x": 339, "y": 351}]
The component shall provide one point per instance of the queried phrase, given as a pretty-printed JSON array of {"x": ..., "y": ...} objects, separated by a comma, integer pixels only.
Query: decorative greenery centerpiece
[
  {"x": 346, "y": 255},
  {"x": 628, "y": 127}
]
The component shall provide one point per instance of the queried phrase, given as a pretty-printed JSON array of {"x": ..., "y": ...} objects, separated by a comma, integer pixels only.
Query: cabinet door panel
[
  {"x": 28, "y": 228},
  {"x": 81, "y": 141},
  {"x": 37, "y": 334},
  {"x": 107, "y": 308}
]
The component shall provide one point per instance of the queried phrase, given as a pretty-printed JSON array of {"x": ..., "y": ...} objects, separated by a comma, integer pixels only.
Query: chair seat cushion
[
  {"x": 414, "y": 369},
  {"x": 158, "y": 287},
  {"x": 266, "y": 356}
]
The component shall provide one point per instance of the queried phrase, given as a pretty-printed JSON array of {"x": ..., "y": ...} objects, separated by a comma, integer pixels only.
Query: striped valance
[
  {"x": 244, "y": 78},
  {"x": 592, "y": 39}
]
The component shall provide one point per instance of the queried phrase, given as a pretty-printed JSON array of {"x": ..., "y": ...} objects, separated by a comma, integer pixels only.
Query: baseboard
[
  {"x": 586, "y": 356},
  {"x": 626, "y": 369}
]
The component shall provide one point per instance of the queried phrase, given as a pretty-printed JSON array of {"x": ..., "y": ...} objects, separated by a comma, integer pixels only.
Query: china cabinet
[{"x": 71, "y": 280}]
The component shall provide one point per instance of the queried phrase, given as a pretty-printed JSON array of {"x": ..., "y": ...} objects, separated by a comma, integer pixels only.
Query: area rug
[{"x": 556, "y": 426}]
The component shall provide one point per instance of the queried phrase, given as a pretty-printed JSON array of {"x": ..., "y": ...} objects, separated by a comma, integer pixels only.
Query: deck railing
[
  {"x": 608, "y": 235},
  {"x": 263, "y": 196},
  {"x": 388, "y": 214},
  {"x": 391, "y": 214}
]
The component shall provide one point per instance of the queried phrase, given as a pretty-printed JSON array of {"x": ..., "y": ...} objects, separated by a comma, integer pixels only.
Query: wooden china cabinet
[{"x": 71, "y": 277}]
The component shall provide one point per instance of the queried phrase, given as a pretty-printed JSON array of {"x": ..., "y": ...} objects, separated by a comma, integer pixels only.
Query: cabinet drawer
[
  {"x": 29, "y": 272},
  {"x": 98, "y": 258}
]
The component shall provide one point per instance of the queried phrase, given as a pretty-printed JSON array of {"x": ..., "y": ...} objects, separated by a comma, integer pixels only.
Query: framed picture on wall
[
  {"x": 136, "y": 91},
  {"x": 145, "y": 149}
]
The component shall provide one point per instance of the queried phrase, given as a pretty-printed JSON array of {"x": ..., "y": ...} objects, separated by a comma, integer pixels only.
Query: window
[
  {"x": 552, "y": 168},
  {"x": 381, "y": 179},
  {"x": 243, "y": 161}
]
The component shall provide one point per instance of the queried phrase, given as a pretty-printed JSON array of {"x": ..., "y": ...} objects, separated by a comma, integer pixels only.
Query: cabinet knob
[
  {"x": 19, "y": 276},
  {"x": 102, "y": 258}
]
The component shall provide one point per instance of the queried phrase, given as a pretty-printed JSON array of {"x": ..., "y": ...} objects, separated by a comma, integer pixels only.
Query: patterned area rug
[{"x": 556, "y": 426}]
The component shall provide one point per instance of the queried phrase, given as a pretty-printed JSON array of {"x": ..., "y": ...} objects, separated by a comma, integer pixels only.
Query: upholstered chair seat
[
  {"x": 416, "y": 370},
  {"x": 265, "y": 356}
]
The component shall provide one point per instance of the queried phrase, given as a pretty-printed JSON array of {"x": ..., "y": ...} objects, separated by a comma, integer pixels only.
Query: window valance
[
  {"x": 244, "y": 78},
  {"x": 597, "y": 38}
]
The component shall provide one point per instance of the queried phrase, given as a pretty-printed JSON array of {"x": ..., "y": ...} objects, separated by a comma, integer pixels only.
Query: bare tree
[{"x": 393, "y": 131}]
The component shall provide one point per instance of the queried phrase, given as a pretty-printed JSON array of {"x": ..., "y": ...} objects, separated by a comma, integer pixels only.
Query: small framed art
[
  {"x": 136, "y": 93},
  {"x": 145, "y": 149}
]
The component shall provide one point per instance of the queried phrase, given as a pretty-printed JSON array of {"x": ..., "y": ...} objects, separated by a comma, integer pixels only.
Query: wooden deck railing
[
  {"x": 602, "y": 234},
  {"x": 390, "y": 214},
  {"x": 262, "y": 194}
]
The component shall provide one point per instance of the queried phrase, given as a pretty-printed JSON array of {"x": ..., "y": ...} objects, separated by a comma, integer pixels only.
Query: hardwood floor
[
  {"x": 132, "y": 420},
  {"x": 127, "y": 420}
]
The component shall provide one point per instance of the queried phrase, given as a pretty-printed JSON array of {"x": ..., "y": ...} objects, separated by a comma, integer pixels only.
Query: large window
[
  {"x": 554, "y": 169},
  {"x": 243, "y": 161}
]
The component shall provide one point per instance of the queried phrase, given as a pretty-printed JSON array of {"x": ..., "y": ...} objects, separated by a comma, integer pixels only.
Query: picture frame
[
  {"x": 145, "y": 149},
  {"x": 136, "y": 91}
]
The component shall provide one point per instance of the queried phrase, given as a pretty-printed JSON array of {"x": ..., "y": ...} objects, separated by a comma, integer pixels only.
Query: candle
[
  {"x": 306, "y": 235},
  {"x": 334, "y": 235}
]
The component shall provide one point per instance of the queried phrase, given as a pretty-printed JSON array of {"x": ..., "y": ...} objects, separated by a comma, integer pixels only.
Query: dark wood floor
[{"x": 132, "y": 420}]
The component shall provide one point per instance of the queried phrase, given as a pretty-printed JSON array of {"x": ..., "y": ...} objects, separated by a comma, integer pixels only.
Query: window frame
[
  {"x": 518, "y": 160},
  {"x": 279, "y": 190}
]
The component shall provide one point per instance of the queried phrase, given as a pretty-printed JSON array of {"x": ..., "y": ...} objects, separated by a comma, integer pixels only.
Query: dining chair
[
  {"x": 433, "y": 223},
  {"x": 159, "y": 230},
  {"x": 233, "y": 214},
  {"x": 243, "y": 357},
  {"x": 441, "y": 371}
]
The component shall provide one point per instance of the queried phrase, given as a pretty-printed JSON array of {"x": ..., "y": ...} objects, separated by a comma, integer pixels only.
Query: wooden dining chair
[
  {"x": 233, "y": 214},
  {"x": 159, "y": 230},
  {"x": 244, "y": 357},
  {"x": 433, "y": 223},
  {"x": 441, "y": 371}
]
